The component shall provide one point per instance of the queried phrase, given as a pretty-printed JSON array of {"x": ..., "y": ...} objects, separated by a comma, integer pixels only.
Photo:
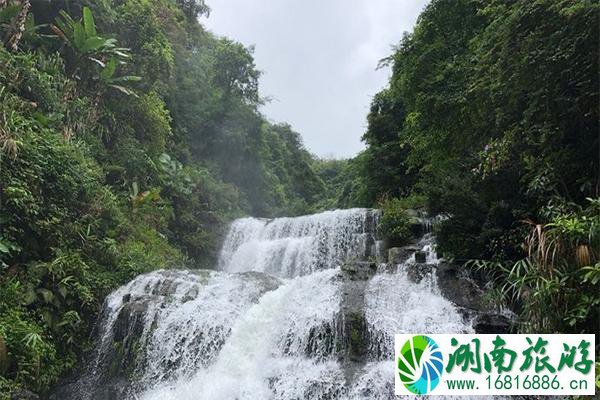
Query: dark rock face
[
  {"x": 372, "y": 221},
  {"x": 355, "y": 331},
  {"x": 469, "y": 298},
  {"x": 417, "y": 228},
  {"x": 399, "y": 255},
  {"x": 129, "y": 322},
  {"x": 420, "y": 257},
  {"x": 459, "y": 290},
  {"x": 368, "y": 237},
  {"x": 359, "y": 270},
  {"x": 351, "y": 327},
  {"x": 368, "y": 246},
  {"x": 322, "y": 342},
  {"x": 24, "y": 395},
  {"x": 127, "y": 330},
  {"x": 491, "y": 323},
  {"x": 267, "y": 282},
  {"x": 418, "y": 224},
  {"x": 416, "y": 272}
]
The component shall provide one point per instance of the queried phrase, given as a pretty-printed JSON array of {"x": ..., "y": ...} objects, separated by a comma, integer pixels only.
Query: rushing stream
[{"x": 280, "y": 319}]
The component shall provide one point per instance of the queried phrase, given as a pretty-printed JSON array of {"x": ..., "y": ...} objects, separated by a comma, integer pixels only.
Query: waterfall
[
  {"x": 281, "y": 319},
  {"x": 290, "y": 247}
]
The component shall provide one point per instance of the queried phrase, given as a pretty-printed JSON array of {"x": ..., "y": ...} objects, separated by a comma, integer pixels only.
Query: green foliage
[
  {"x": 95, "y": 57},
  {"x": 334, "y": 173},
  {"x": 151, "y": 122},
  {"x": 193, "y": 8},
  {"x": 491, "y": 112},
  {"x": 383, "y": 164},
  {"x": 289, "y": 166},
  {"x": 345, "y": 183},
  {"x": 201, "y": 207},
  {"x": 395, "y": 221},
  {"x": 142, "y": 26},
  {"x": 214, "y": 104},
  {"x": 62, "y": 247},
  {"x": 556, "y": 287},
  {"x": 28, "y": 348}
]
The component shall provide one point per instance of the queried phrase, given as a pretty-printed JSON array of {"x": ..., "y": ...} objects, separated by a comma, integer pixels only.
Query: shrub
[
  {"x": 395, "y": 221},
  {"x": 556, "y": 287}
]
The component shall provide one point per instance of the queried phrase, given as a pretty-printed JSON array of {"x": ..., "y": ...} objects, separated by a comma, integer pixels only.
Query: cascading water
[
  {"x": 290, "y": 247},
  {"x": 284, "y": 318}
]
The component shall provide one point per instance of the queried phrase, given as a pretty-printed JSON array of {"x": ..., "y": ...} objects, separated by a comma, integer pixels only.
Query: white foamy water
[
  {"x": 291, "y": 247},
  {"x": 266, "y": 346},
  {"x": 238, "y": 335}
]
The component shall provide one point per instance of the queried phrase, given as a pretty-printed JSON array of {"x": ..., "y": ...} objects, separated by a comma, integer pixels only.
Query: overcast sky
[{"x": 318, "y": 59}]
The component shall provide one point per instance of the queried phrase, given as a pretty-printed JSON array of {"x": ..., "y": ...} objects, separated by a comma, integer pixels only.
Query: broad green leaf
[
  {"x": 92, "y": 44},
  {"x": 109, "y": 70},
  {"x": 79, "y": 36},
  {"x": 88, "y": 22}
]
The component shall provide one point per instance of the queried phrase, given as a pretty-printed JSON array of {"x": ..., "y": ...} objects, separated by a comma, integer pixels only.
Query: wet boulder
[
  {"x": 459, "y": 289},
  {"x": 491, "y": 323},
  {"x": 359, "y": 270},
  {"x": 355, "y": 333},
  {"x": 420, "y": 257},
  {"x": 130, "y": 321},
  {"x": 399, "y": 255},
  {"x": 418, "y": 225},
  {"x": 416, "y": 272},
  {"x": 350, "y": 325},
  {"x": 265, "y": 282}
]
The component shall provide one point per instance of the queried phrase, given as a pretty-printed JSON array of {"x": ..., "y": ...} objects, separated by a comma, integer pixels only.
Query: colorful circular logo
[{"x": 420, "y": 364}]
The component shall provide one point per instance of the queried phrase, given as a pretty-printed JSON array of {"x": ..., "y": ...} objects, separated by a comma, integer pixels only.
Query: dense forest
[{"x": 130, "y": 136}]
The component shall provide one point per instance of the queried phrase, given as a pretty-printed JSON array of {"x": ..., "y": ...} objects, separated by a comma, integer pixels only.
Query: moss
[{"x": 356, "y": 331}]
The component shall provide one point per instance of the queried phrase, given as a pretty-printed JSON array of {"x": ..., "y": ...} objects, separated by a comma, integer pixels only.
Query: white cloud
[{"x": 319, "y": 59}]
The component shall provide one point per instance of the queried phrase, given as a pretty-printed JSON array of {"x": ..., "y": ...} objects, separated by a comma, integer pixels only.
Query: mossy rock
[{"x": 357, "y": 335}]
